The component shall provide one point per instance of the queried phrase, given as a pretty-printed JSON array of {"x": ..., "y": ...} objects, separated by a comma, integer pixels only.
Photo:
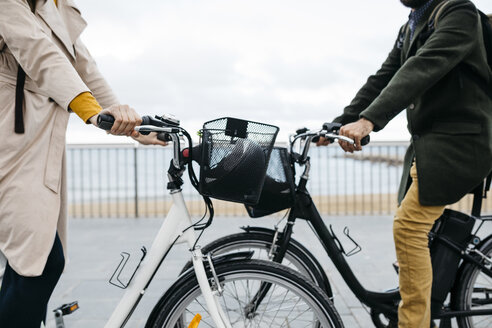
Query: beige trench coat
[{"x": 32, "y": 165}]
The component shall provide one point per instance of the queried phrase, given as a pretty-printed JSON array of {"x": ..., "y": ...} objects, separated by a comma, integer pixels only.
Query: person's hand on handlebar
[
  {"x": 150, "y": 139},
  {"x": 355, "y": 131},
  {"x": 125, "y": 120},
  {"x": 323, "y": 141}
]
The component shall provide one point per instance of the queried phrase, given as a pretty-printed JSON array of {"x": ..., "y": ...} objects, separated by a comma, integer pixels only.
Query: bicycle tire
[
  {"x": 297, "y": 257},
  {"x": 296, "y": 298},
  {"x": 470, "y": 285}
]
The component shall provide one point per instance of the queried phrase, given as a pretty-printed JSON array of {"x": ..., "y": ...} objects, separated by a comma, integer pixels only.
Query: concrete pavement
[{"x": 95, "y": 245}]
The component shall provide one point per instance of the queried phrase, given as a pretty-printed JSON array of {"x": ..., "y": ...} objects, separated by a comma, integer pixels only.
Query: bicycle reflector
[{"x": 196, "y": 320}]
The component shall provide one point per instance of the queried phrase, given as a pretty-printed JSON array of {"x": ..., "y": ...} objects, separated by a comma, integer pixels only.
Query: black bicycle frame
[
  {"x": 385, "y": 302},
  {"x": 381, "y": 302}
]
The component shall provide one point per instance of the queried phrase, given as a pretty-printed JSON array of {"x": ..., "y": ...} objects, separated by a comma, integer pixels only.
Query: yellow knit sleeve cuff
[{"x": 85, "y": 106}]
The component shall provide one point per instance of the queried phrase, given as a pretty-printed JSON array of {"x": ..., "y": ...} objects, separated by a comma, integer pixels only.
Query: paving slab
[{"x": 95, "y": 245}]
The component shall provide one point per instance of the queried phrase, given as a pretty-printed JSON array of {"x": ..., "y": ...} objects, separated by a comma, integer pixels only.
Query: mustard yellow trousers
[{"x": 411, "y": 227}]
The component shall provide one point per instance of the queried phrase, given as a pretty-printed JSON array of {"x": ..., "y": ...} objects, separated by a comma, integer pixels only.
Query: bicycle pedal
[
  {"x": 67, "y": 309},
  {"x": 64, "y": 310}
]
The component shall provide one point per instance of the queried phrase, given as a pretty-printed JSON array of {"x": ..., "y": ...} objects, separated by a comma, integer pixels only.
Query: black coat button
[{"x": 416, "y": 137}]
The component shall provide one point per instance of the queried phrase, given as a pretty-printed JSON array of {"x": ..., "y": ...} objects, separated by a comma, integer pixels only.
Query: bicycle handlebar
[
  {"x": 335, "y": 128},
  {"x": 329, "y": 131},
  {"x": 364, "y": 141},
  {"x": 149, "y": 124},
  {"x": 167, "y": 129},
  {"x": 333, "y": 135}
]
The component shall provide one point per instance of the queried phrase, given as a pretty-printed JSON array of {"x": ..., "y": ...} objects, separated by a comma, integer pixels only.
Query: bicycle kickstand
[{"x": 63, "y": 310}]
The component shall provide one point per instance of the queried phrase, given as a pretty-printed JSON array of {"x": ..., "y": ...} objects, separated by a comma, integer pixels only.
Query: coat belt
[
  {"x": 11, "y": 78},
  {"x": 19, "y": 101},
  {"x": 20, "y": 84}
]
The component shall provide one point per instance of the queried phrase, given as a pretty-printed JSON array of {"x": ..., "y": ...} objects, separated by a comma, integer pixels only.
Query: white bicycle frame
[{"x": 174, "y": 228}]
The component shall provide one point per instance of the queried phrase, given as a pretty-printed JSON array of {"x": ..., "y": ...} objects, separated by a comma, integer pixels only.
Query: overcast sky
[{"x": 289, "y": 63}]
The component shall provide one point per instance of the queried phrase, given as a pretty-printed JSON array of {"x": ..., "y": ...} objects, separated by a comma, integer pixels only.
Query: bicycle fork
[
  {"x": 276, "y": 254},
  {"x": 212, "y": 293}
]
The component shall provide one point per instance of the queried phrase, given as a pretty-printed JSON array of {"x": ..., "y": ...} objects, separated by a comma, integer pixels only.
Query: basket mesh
[
  {"x": 235, "y": 154},
  {"x": 279, "y": 187}
]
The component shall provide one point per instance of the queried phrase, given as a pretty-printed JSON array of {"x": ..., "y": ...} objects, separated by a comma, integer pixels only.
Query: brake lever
[
  {"x": 151, "y": 128},
  {"x": 331, "y": 127},
  {"x": 363, "y": 142},
  {"x": 335, "y": 128}
]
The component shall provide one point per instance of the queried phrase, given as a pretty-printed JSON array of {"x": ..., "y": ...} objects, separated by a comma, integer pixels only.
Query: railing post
[{"x": 135, "y": 171}]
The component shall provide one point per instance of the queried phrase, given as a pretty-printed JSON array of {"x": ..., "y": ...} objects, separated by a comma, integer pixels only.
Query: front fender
[
  {"x": 239, "y": 256},
  {"x": 262, "y": 230}
]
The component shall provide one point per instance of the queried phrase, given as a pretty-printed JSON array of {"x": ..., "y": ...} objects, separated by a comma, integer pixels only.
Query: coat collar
[
  {"x": 65, "y": 21},
  {"x": 77, "y": 23},
  {"x": 420, "y": 28}
]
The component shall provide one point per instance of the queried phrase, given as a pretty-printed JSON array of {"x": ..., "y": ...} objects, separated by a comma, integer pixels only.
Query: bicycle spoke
[
  {"x": 241, "y": 308},
  {"x": 482, "y": 320},
  {"x": 479, "y": 292},
  {"x": 283, "y": 305},
  {"x": 203, "y": 320},
  {"x": 291, "y": 310},
  {"x": 279, "y": 308},
  {"x": 268, "y": 302},
  {"x": 305, "y": 311}
]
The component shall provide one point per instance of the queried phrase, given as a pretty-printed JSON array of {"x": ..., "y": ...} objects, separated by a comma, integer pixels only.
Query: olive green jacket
[{"x": 440, "y": 79}]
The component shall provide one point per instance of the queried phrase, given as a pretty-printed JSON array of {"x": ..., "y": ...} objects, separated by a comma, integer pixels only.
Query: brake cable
[{"x": 195, "y": 183}]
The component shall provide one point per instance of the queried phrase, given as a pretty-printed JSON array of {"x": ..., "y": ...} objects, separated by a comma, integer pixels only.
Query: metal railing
[{"x": 130, "y": 181}]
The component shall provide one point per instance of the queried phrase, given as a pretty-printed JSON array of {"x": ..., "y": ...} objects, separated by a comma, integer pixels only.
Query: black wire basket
[
  {"x": 279, "y": 187},
  {"x": 235, "y": 154}
]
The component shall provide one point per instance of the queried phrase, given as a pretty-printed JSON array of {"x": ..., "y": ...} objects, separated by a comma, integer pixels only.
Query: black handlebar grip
[
  {"x": 301, "y": 130},
  {"x": 331, "y": 127},
  {"x": 105, "y": 121},
  {"x": 163, "y": 136},
  {"x": 146, "y": 120},
  {"x": 364, "y": 141}
]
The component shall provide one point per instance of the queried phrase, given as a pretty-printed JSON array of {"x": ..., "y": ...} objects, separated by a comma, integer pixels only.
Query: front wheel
[
  {"x": 475, "y": 292},
  {"x": 291, "y": 301},
  {"x": 296, "y": 257}
]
